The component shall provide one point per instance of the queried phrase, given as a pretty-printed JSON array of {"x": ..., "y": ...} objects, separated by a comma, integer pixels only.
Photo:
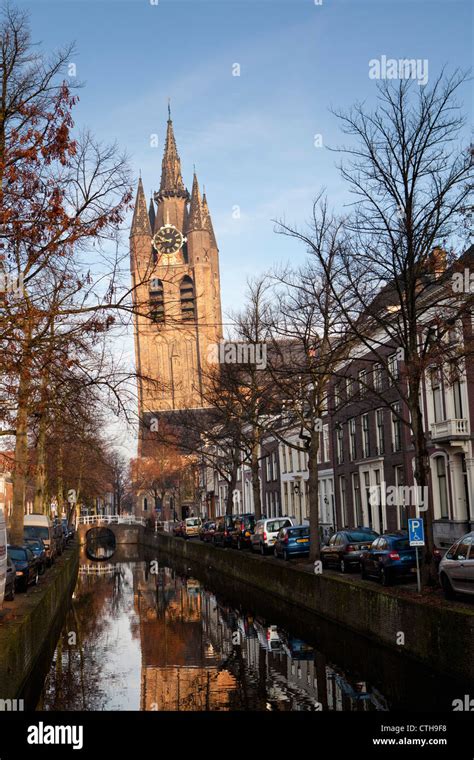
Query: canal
[{"x": 143, "y": 633}]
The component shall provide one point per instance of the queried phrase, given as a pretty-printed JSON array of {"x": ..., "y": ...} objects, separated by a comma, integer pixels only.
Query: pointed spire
[
  {"x": 151, "y": 214},
  {"x": 196, "y": 216},
  {"x": 140, "y": 221},
  {"x": 172, "y": 184},
  {"x": 207, "y": 220}
]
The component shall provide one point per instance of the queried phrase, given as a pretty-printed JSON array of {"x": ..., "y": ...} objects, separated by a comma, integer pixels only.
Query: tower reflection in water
[{"x": 159, "y": 641}]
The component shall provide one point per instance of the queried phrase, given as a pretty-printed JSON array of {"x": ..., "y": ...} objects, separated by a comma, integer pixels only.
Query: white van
[
  {"x": 40, "y": 526},
  {"x": 3, "y": 556}
]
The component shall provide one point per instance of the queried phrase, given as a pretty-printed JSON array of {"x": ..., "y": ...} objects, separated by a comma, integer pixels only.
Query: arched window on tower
[
  {"x": 157, "y": 303},
  {"x": 186, "y": 291}
]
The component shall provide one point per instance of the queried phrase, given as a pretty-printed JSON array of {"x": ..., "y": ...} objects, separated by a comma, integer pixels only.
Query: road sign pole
[{"x": 418, "y": 580}]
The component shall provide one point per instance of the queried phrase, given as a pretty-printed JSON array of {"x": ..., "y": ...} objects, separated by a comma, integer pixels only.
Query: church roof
[
  {"x": 196, "y": 211},
  {"x": 172, "y": 184},
  {"x": 151, "y": 214},
  {"x": 207, "y": 220},
  {"x": 140, "y": 221}
]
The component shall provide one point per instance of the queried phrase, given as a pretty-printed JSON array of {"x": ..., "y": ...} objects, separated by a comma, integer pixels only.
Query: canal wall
[
  {"x": 440, "y": 636},
  {"x": 24, "y": 635}
]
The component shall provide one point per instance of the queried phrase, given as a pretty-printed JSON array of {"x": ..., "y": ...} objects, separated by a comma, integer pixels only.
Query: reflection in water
[
  {"x": 136, "y": 639},
  {"x": 100, "y": 544}
]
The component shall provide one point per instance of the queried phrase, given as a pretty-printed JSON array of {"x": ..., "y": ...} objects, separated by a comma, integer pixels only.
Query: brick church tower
[{"x": 175, "y": 274}]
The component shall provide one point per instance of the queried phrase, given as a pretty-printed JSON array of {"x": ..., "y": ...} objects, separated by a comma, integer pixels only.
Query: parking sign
[{"x": 416, "y": 532}]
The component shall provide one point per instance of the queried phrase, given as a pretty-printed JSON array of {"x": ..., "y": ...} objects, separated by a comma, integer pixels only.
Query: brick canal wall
[
  {"x": 23, "y": 637},
  {"x": 440, "y": 636}
]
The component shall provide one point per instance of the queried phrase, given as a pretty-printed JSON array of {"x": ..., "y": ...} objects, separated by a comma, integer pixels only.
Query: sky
[{"x": 250, "y": 137}]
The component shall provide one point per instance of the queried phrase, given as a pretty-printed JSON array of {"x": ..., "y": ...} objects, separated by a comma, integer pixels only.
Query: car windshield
[
  {"x": 193, "y": 521},
  {"x": 358, "y": 537},
  {"x": 402, "y": 543},
  {"x": 36, "y": 531},
  {"x": 298, "y": 532},
  {"x": 274, "y": 525},
  {"x": 17, "y": 554},
  {"x": 34, "y": 543}
]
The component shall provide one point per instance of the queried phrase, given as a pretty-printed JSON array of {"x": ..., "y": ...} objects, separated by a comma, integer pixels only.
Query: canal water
[{"x": 141, "y": 634}]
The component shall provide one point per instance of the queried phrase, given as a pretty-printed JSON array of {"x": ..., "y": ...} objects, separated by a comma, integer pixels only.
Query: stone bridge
[{"x": 126, "y": 530}]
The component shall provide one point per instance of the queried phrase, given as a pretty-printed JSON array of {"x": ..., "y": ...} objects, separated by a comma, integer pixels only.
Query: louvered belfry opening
[
  {"x": 187, "y": 299},
  {"x": 157, "y": 302}
]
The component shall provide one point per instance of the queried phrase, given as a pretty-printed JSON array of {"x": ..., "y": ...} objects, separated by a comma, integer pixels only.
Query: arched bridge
[{"x": 126, "y": 530}]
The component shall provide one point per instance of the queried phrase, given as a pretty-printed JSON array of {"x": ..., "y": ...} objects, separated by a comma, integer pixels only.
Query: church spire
[
  {"x": 140, "y": 221},
  {"x": 207, "y": 220},
  {"x": 151, "y": 214},
  {"x": 196, "y": 214},
  {"x": 172, "y": 184}
]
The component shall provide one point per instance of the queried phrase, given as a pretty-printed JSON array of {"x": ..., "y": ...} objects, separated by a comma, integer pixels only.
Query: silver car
[
  {"x": 266, "y": 531},
  {"x": 456, "y": 569}
]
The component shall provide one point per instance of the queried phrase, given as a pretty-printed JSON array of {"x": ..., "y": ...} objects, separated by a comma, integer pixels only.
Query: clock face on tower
[{"x": 168, "y": 240}]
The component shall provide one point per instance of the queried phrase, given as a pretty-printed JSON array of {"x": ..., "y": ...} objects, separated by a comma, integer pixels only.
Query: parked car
[
  {"x": 26, "y": 566},
  {"x": 178, "y": 529},
  {"x": 222, "y": 533},
  {"x": 346, "y": 546},
  {"x": 191, "y": 526},
  {"x": 58, "y": 536},
  {"x": 242, "y": 531},
  {"x": 266, "y": 532},
  {"x": 39, "y": 550},
  {"x": 456, "y": 569},
  {"x": 10, "y": 581},
  {"x": 389, "y": 558},
  {"x": 292, "y": 542},
  {"x": 207, "y": 530},
  {"x": 69, "y": 529},
  {"x": 40, "y": 526}
]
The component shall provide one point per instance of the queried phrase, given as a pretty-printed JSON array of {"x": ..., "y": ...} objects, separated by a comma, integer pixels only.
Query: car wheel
[
  {"x": 262, "y": 550},
  {"x": 385, "y": 577},
  {"x": 37, "y": 578},
  {"x": 11, "y": 596},
  {"x": 343, "y": 566},
  {"x": 448, "y": 590}
]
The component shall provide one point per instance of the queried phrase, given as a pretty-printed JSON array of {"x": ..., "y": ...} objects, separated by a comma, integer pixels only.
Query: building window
[
  {"x": 396, "y": 428},
  {"x": 352, "y": 438},
  {"x": 357, "y": 499},
  {"x": 342, "y": 492},
  {"x": 437, "y": 391},
  {"x": 186, "y": 291},
  {"x": 340, "y": 444},
  {"x": 145, "y": 504},
  {"x": 401, "y": 508},
  {"x": 157, "y": 303},
  {"x": 457, "y": 396},
  {"x": 393, "y": 368},
  {"x": 275, "y": 466},
  {"x": 365, "y": 436},
  {"x": 362, "y": 375},
  {"x": 325, "y": 443},
  {"x": 379, "y": 426},
  {"x": 367, "y": 498},
  {"x": 442, "y": 486},
  {"x": 268, "y": 469},
  {"x": 348, "y": 382},
  {"x": 378, "y": 376}
]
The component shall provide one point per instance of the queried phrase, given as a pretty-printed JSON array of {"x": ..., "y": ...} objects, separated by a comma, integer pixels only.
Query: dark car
[
  {"x": 292, "y": 542},
  {"x": 68, "y": 529},
  {"x": 242, "y": 530},
  {"x": 26, "y": 566},
  {"x": 207, "y": 530},
  {"x": 346, "y": 546},
  {"x": 178, "y": 529},
  {"x": 10, "y": 581},
  {"x": 222, "y": 534},
  {"x": 390, "y": 557},
  {"x": 58, "y": 537},
  {"x": 39, "y": 550}
]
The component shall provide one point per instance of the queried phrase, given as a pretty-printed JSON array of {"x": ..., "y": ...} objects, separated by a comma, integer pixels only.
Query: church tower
[{"x": 175, "y": 275}]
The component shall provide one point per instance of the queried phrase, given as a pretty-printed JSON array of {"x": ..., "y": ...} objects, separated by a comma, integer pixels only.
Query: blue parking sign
[{"x": 416, "y": 531}]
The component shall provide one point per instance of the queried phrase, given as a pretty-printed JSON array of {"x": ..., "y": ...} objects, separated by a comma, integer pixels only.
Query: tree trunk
[
  {"x": 60, "y": 492},
  {"x": 229, "y": 510},
  {"x": 429, "y": 571},
  {"x": 21, "y": 459},
  {"x": 313, "y": 482},
  {"x": 40, "y": 480},
  {"x": 255, "y": 466}
]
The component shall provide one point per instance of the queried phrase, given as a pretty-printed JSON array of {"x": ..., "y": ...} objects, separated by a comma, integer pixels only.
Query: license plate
[
  {"x": 413, "y": 570},
  {"x": 301, "y": 540},
  {"x": 272, "y": 541}
]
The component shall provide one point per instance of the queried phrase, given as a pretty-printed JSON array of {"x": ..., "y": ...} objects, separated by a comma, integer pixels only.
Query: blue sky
[{"x": 251, "y": 136}]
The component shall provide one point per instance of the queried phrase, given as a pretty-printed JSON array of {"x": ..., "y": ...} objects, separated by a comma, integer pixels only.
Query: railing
[
  {"x": 97, "y": 569},
  {"x": 111, "y": 520},
  {"x": 449, "y": 428}
]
